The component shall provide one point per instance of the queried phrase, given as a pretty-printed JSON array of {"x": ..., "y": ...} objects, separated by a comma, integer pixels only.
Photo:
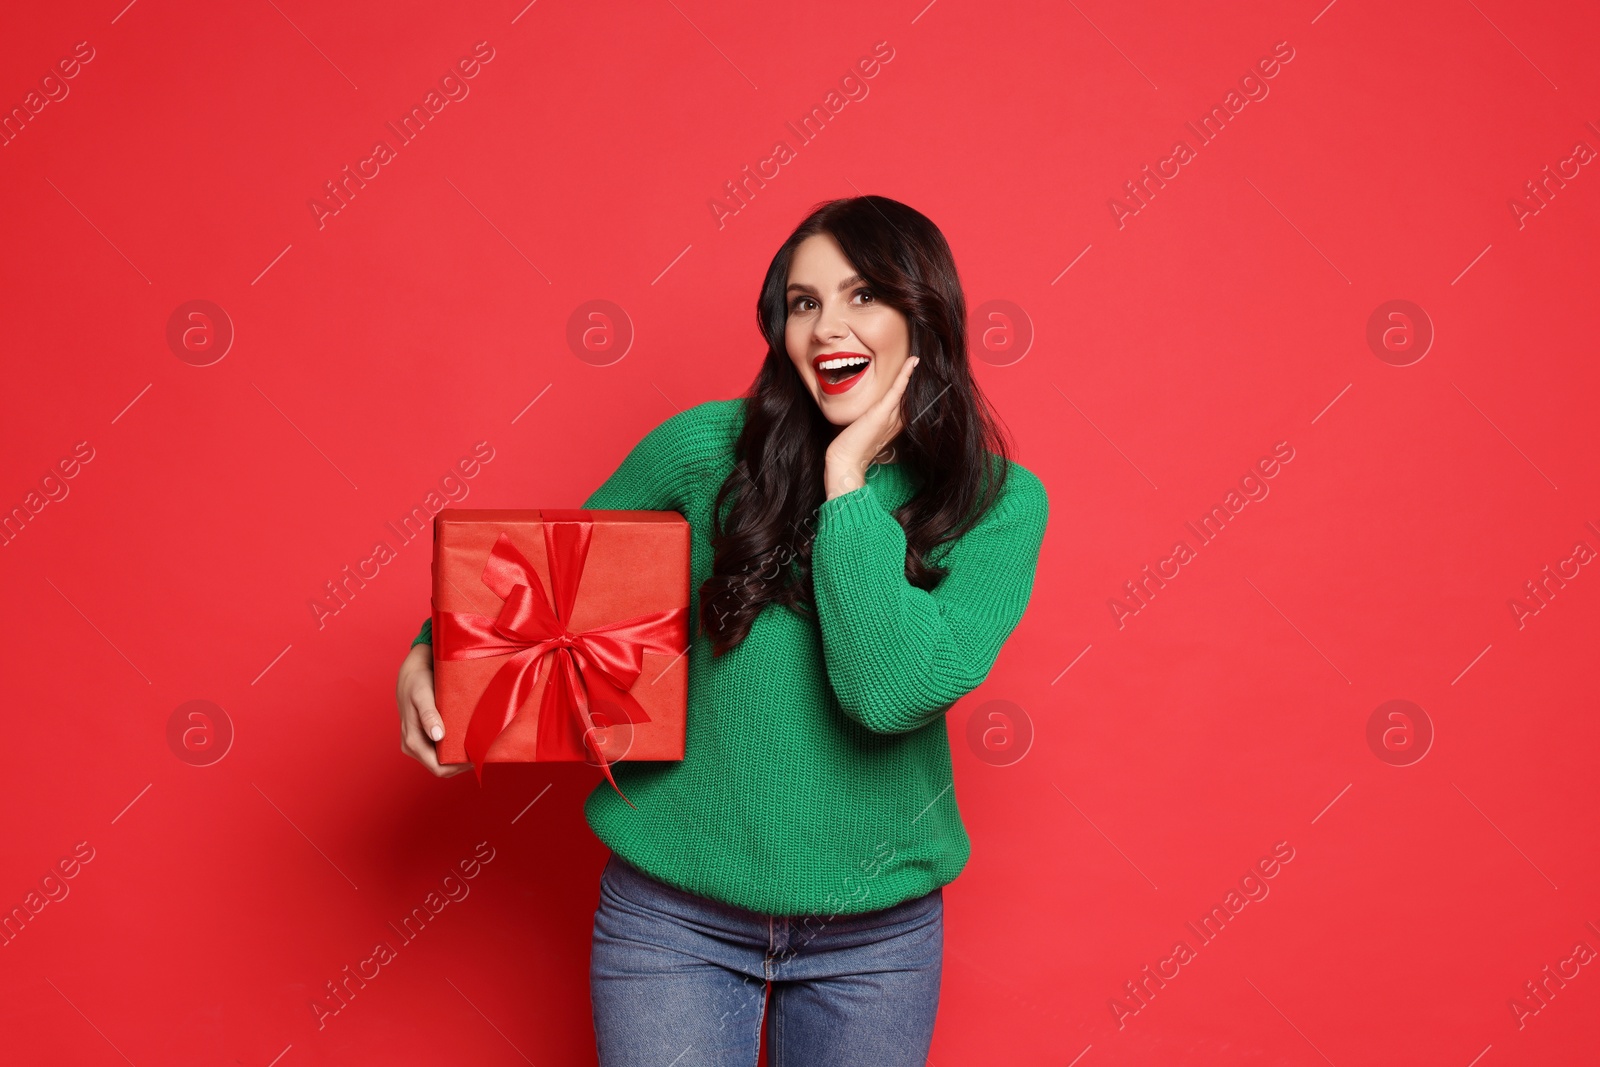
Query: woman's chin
[{"x": 841, "y": 410}]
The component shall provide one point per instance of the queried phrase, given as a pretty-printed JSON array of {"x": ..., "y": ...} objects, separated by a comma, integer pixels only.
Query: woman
[{"x": 861, "y": 548}]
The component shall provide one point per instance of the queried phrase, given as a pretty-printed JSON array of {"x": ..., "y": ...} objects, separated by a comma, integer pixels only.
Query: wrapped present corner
[{"x": 560, "y": 635}]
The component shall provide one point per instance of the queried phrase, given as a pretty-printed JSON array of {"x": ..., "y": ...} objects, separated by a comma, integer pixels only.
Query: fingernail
[{"x": 438, "y": 732}]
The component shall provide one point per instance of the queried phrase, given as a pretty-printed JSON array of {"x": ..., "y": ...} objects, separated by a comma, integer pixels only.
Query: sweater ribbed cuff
[
  {"x": 859, "y": 554},
  {"x": 858, "y": 507}
]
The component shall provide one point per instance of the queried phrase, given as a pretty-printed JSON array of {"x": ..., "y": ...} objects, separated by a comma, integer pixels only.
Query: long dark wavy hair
[{"x": 953, "y": 446}]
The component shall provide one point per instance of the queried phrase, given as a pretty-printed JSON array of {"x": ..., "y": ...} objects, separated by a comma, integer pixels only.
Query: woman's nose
[{"x": 830, "y": 326}]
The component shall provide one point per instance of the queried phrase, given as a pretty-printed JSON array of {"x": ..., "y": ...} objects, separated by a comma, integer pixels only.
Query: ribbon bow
[{"x": 602, "y": 662}]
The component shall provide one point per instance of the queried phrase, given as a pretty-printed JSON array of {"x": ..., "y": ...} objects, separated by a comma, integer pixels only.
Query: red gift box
[{"x": 560, "y": 635}]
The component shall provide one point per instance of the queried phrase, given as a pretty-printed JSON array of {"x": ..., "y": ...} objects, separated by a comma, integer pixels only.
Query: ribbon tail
[
  {"x": 497, "y": 706},
  {"x": 566, "y": 725},
  {"x": 630, "y": 709},
  {"x": 606, "y": 769}
]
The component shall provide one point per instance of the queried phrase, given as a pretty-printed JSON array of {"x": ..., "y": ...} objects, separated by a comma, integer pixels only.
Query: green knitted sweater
[{"x": 816, "y": 777}]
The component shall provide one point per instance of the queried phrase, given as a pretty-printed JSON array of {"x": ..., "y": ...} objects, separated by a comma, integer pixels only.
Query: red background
[{"x": 1228, "y": 314}]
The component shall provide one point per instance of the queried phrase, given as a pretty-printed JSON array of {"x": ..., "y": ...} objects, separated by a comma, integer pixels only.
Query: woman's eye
[{"x": 799, "y": 303}]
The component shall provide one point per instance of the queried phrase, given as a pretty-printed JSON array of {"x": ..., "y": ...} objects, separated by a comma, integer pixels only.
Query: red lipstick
[{"x": 825, "y": 377}]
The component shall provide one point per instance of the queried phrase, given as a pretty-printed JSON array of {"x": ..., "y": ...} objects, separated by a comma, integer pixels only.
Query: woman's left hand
[{"x": 858, "y": 444}]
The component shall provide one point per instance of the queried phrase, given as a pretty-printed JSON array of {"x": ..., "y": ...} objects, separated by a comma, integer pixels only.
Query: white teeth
[{"x": 842, "y": 361}]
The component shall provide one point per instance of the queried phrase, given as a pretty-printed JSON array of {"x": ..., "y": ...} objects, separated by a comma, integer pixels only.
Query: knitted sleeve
[
  {"x": 659, "y": 471},
  {"x": 898, "y": 656}
]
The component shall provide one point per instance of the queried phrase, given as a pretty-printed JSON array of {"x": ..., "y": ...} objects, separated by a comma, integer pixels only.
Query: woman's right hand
[{"x": 420, "y": 725}]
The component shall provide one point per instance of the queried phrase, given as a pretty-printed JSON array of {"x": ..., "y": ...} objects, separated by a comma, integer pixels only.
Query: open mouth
[{"x": 838, "y": 371}]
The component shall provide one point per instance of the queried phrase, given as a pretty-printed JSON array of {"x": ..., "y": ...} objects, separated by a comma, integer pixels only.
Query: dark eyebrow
[{"x": 854, "y": 279}]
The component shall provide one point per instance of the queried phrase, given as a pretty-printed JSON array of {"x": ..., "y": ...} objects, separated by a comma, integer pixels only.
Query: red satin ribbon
[{"x": 602, "y": 662}]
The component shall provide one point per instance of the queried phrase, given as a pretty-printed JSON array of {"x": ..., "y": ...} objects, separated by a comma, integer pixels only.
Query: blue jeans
[{"x": 679, "y": 980}]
